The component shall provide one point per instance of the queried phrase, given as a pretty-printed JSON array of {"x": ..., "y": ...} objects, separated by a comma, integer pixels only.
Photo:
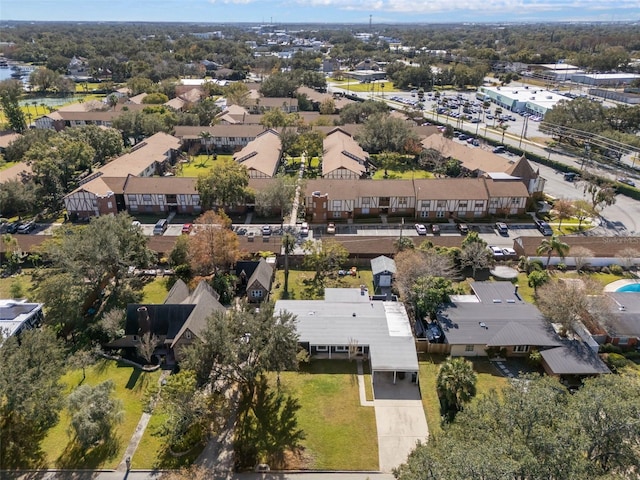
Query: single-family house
[
  {"x": 348, "y": 323},
  {"x": 262, "y": 155},
  {"x": 177, "y": 323},
  {"x": 342, "y": 157},
  {"x": 495, "y": 316},
  {"x": 255, "y": 279},
  {"x": 78, "y": 67},
  {"x": 383, "y": 269},
  {"x": 623, "y": 328},
  {"x": 572, "y": 361}
]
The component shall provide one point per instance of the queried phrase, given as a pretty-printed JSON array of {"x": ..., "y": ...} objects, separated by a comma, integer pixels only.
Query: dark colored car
[
  {"x": 13, "y": 227},
  {"x": 463, "y": 228}
]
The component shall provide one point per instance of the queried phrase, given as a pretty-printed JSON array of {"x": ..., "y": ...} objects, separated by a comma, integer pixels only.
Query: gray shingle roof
[
  {"x": 382, "y": 264},
  {"x": 383, "y": 326},
  {"x": 573, "y": 358},
  {"x": 262, "y": 274}
]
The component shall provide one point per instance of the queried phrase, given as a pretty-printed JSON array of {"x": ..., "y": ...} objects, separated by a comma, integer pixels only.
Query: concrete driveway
[{"x": 400, "y": 419}]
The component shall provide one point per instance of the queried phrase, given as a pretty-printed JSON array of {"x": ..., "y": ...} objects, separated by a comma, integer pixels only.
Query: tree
[
  {"x": 536, "y": 279},
  {"x": 205, "y": 139},
  {"x": 179, "y": 254},
  {"x": 106, "y": 142},
  {"x": 602, "y": 193},
  {"x": 549, "y": 246},
  {"x": 241, "y": 344},
  {"x": 94, "y": 414},
  {"x": 324, "y": 258},
  {"x": 535, "y": 429},
  {"x": 564, "y": 209},
  {"x": 565, "y": 302},
  {"x": 582, "y": 210},
  {"x": 428, "y": 294},
  {"x": 224, "y": 186},
  {"x": 146, "y": 346},
  {"x": 474, "y": 253},
  {"x": 580, "y": 256},
  {"x": 44, "y": 79},
  {"x": 412, "y": 264},
  {"x": 31, "y": 395},
  {"x": 278, "y": 196},
  {"x": 383, "y": 133},
  {"x": 456, "y": 386},
  {"x": 359, "y": 112},
  {"x": 10, "y": 91},
  {"x": 288, "y": 245},
  {"x": 214, "y": 246},
  {"x": 628, "y": 257},
  {"x": 328, "y": 107},
  {"x": 237, "y": 93}
]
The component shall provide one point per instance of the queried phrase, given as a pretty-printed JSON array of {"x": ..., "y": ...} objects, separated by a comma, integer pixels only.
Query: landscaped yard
[
  {"x": 340, "y": 434},
  {"x": 25, "y": 281},
  {"x": 131, "y": 385},
  {"x": 199, "y": 164},
  {"x": 403, "y": 175},
  {"x": 300, "y": 283},
  {"x": 488, "y": 379},
  {"x": 155, "y": 291}
]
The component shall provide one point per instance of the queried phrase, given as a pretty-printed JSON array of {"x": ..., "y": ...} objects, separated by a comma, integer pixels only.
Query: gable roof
[
  {"x": 155, "y": 149},
  {"x": 472, "y": 159},
  {"x": 262, "y": 154},
  {"x": 206, "y": 303},
  {"x": 185, "y": 132},
  {"x": 382, "y": 264},
  {"x": 178, "y": 293},
  {"x": 262, "y": 274},
  {"x": 340, "y": 150}
]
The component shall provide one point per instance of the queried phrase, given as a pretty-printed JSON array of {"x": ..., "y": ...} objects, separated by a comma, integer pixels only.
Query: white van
[{"x": 160, "y": 227}]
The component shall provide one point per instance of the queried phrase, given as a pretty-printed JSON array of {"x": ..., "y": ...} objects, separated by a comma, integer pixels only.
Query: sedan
[
  {"x": 509, "y": 252},
  {"x": 627, "y": 181},
  {"x": 266, "y": 231},
  {"x": 435, "y": 228},
  {"x": 421, "y": 229},
  {"x": 186, "y": 228},
  {"x": 331, "y": 228},
  {"x": 464, "y": 228},
  {"x": 496, "y": 251}
]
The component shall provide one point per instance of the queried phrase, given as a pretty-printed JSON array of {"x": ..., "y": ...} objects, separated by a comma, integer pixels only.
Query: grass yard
[
  {"x": 404, "y": 175},
  {"x": 356, "y": 86},
  {"x": 300, "y": 287},
  {"x": 200, "y": 164},
  {"x": 155, "y": 291},
  {"x": 340, "y": 434},
  {"x": 131, "y": 385},
  {"x": 488, "y": 379}
]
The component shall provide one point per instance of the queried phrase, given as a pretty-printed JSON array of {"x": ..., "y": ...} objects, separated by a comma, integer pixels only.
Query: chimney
[{"x": 144, "y": 323}]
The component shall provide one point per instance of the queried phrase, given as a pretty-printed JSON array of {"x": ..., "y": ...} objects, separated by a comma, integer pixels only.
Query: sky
[{"x": 322, "y": 11}]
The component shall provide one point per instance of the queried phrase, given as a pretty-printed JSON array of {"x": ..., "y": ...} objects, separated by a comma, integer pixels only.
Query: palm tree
[
  {"x": 456, "y": 385},
  {"x": 205, "y": 138},
  {"x": 550, "y": 245},
  {"x": 288, "y": 244}
]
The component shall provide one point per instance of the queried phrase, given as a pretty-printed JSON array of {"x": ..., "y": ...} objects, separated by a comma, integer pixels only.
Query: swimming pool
[{"x": 632, "y": 287}]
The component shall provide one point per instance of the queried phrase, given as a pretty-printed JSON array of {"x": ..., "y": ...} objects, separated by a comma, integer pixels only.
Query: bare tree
[
  {"x": 564, "y": 210},
  {"x": 147, "y": 345},
  {"x": 628, "y": 257},
  {"x": 413, "y": 264},
  {"x": 580, "y": 256}
]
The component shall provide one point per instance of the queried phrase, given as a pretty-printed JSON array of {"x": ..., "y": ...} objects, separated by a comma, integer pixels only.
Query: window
[
  {"x": 256, "y": 293},
  {"x": 187, "y": 335},
  {"x": 462, "y": 206},
  {"x": 440, "y": 214},
  {"x": 146, "y": 198},
  {"x": 366, "y": 200},
  {"x": 342, "y": 348},
  {"x": 322, "y": 348},
  {"x": 426, "y": 204},
  {"x": 131, "y": 198},
  {"x": 385, "y": 201},
  {"x": 195, "y": 199},
  {"x": 479, "y": 204},
  {"x": 521, "y": 349},
  {"x": 469, "y": 348},
  {"x": 441, "y": 204},
  {"x": 109, "y": 204},
  {"x": 515, "y": 200},
  {"x": 337, "y": 214},
  {"x": 424, "y": 214},
  {"x": 402, "y": 201},
  {"x": 336, "y": 204}
]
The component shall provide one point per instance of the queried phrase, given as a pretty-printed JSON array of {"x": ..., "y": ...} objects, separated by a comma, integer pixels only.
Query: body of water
[{"x": 633, "y": 287}]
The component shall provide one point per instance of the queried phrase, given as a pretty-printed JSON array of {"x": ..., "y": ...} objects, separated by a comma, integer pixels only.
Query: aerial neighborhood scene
[{"x": 319, "y": 240}]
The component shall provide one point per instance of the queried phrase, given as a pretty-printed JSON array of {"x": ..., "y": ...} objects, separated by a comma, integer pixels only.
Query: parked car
[
  {"x": 266, "y": 231},
  {"x": 186, "y": 228},
  {"x": 27, "y": 227},
  {"x": 496, "y": 251},
  {"x": 13, "y": 227},
  {"x": 304, "y": 229},
  {"x": 509, "y": 252},
  {"x": 570, "y": 176},
  {"x": 463, "y": 228},
  {"x": 421, "y": 229},
  {"x": 502, "y": 228},
  {"x": 160, "y": 226},
  {"x": 627, "y": 181},
  {"x": 499, "y": 149},
  {"x": 544, "y": 228},
  {"x": 136, "y": 224},
  {"x": 331, "y": 228},
  {"x": 435, "y": 228}
]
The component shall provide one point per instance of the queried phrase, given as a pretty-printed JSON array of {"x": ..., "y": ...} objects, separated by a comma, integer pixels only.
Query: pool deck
[{"x": 614, "y": 286}]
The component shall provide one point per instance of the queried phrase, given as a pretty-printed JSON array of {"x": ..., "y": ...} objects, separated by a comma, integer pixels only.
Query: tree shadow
[
  {"x": 133, "y": 379},
  {"x": 76, "y": 456}
]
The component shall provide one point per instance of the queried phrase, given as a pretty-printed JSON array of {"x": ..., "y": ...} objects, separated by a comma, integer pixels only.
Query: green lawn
[
  {"x": 24, "y": 279},
  {"x": 340, "y": 434},
  {"x": 130, "y": 385},
  {"x": 488, "y": 379},
  {"x": 200, "y": 164},
  {"x": 155, "y": 291},
  {"x": 404, "y": 175},
  {"x": 356, "y": 86},
  {"x": 300, "y": 287}
]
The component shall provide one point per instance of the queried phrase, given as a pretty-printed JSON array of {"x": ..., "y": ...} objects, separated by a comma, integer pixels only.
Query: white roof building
[{"x": 17, "y": 316}]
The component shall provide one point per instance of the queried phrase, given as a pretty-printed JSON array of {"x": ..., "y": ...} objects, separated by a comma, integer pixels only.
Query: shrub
[
  {"x": 536, "y": 265},
  {"x": 610, "y": 348},
  {"x": 535, "y": 358},
  {"x": 615, "y": 269},
  {"x": 615, "y": 361},
  {"x": 562, "y": 267},
  {"x": 605, "y": 270},
  {"x": 632, "y": 355}
]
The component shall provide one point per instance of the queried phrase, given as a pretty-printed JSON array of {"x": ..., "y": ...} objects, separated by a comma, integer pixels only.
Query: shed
[{"x": 383, "y": 269}]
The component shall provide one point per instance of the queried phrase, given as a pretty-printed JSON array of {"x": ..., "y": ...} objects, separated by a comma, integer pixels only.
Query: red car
[{"x": 186, "y": 228}]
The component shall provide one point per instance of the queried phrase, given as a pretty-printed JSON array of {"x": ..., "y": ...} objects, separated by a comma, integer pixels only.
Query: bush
[
  {"x": 615, "y": 361},
  {"x": 536, "y": 265},
  {"x": 610, "y": 348},
  {"x": 632, "y": 355},
  {"x": 562, "y": 267},
  {"x": 605, "y": 270},
  {"x": 616, "y": 269}
]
